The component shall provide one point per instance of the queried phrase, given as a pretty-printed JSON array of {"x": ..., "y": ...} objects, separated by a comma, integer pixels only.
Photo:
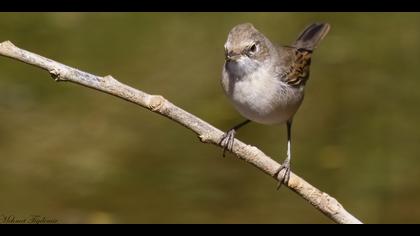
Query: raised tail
[{"x": 311, "y": 36}]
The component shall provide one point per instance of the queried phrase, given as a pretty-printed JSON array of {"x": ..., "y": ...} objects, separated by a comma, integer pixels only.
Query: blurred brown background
[{"x": 80, "y": 156}]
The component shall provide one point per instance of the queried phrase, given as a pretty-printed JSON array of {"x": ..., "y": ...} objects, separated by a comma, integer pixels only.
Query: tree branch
[{"x": 206, "y": 132}]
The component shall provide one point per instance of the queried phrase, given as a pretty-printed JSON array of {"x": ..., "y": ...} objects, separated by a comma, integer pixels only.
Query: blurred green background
[{"x": 80, "y": 156}]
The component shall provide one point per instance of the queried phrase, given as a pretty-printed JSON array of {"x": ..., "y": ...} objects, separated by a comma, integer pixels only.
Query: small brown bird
[{"x": 265, "y": 82}]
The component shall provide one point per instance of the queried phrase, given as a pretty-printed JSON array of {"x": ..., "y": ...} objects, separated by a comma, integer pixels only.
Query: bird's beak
[{"x": 232, "y": 56}]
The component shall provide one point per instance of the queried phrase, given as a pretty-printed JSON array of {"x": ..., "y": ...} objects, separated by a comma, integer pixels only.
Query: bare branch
[{"x": 206, "y": 132}]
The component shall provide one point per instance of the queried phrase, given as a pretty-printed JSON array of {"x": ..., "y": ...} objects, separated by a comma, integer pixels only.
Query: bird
[{"x": 265, "y": 82}]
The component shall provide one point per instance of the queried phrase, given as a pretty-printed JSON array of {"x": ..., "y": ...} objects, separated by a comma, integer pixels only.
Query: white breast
[{"x": 261, "y": 97}]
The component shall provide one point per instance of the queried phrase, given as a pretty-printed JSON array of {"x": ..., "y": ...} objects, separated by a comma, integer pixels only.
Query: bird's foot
[
  {"x": 227, "y": 141},
  {"x": 283, "y": 173}
]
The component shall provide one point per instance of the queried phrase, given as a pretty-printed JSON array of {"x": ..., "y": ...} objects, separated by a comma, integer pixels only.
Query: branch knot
[
  {"x": 156, "y": 102},
  {"x": 57, "y": 75}
]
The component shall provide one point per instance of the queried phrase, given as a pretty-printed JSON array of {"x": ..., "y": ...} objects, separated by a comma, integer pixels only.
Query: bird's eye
[{"x": 253, "y": 48}]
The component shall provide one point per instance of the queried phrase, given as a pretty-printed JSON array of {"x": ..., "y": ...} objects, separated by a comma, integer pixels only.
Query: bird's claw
[
  {"x": 283, "y": 174},
  {"x": 227, "y": 141}
]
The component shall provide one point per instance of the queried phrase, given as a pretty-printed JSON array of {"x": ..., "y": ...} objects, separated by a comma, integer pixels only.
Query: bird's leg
[
  {"x": 227, "y": 140},
  {"x": 283, "y": 173}
]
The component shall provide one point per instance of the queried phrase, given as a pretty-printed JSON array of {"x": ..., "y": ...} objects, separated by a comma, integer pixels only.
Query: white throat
[{"x": 243, "y": 67}]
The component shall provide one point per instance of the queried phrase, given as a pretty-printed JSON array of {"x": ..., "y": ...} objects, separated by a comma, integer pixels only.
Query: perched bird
[{"x": 266, "y": 82}]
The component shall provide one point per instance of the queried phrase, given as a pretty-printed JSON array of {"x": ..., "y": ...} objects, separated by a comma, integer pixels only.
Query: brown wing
[{"x": 297, "y": 71}]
